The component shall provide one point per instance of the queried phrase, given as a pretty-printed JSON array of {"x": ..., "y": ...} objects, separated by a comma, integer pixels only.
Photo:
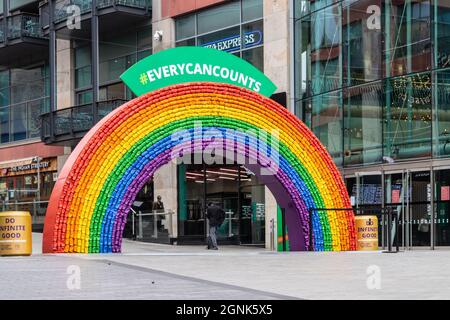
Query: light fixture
[
  {"x": 194, "y": 174},
  {"x": 224, "y": 173},
  {"x": 226, "y": 178}
]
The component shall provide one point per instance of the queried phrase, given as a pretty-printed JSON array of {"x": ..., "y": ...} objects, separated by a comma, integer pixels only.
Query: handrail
[
  {"x": 76, "y": 119},
  {"x": 84, "y": 105}
]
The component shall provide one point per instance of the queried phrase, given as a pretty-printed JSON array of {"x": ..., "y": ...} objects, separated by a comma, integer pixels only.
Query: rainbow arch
[{"x": 96, "y": 187}]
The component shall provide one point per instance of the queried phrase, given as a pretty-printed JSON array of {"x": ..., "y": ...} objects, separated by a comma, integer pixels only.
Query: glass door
[
  {"x": 367, "y": 197},
  {"x": 222, "y": 182},
  {"x": 419, "y": 208},
  {"x": 442, "y": 206},
  {"x": 252, "y": 213}
]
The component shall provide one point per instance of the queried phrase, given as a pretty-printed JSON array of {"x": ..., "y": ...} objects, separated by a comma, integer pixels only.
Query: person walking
[{"x": 216, "y": 216}]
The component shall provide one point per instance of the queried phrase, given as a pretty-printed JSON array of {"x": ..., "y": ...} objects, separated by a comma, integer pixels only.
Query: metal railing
[
  {"x": 61, "y": 12},
  {"x": 36, "y": 208},
  {"x": 21, "y": 25},
  {"x": 77, "y": 119},
  {"x": 151, "y": 226},
  {"x": 387, "y": 211}
]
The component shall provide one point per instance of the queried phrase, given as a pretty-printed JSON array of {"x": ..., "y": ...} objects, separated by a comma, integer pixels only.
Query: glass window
[
  {"x": 326, "y": 122},
  {"x": 119, "y": 52},
  {"x": 363, "y": 111},
  {"x": 212, "y": 31},
  {"x": 442, "y": 35},
  {"x": 407, "y": 131},
  {"x": 320, "y": 4},
  {"x": 84, "y": 97},
  {"x": 441, "y": 100},
  {"x": 185, "y": 27},
  {"x": 301, "y": 8},
  {"x": 83, "y": 67},
  {"x": 4, "y": 124},
  {"x": 34, "y": 109},
  {"x": 32, "y": 88},
  {"x": 325, "y": 50},
  {"x": 225, "y": 40},
  {"x": 253, "y": 35},
  {"x": 144, "y": 38},
  {"x": 19, "y": 122},
  {"x": 362, "y": 39},
  {"x": 252, "y": 10},
  {"x": 83, "y": 77},
  {"x": 302, "y": 54},
  {"x": 82, "y": 56},
  {"x": 4, "y": 97},
  {"x": 112, "y": 92},
  {"x": 408, "y": 45},
  {"x": 255, "y": 57},
  {"x": 184, "y": 43},
  {"x": 218, "y": 17}
]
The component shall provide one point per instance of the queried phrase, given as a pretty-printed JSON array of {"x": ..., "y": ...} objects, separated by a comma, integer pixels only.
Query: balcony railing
[
  {"x": 61, "y": 12},
  {"x": 73, "y": 123},
  {"x": 21, "y": 25}
]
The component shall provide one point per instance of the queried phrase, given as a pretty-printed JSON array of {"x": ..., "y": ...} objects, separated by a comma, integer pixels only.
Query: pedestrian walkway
[{"x": 155, "y": 271}]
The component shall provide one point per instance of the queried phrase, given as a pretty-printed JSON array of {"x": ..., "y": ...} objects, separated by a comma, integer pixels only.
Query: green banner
[{"x": 194, "y": 64}]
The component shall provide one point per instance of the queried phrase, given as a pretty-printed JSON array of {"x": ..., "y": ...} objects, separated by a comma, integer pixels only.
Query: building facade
[
  {"x": 87, "y": 45},
  {"x": 369, "y": 77},
  {"x": 371, "y": 81}
]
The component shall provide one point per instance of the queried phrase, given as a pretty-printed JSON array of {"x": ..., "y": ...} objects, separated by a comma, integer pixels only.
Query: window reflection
[
  {"x": 407, "y": 130},
  {"x": 325, "y": 50}
]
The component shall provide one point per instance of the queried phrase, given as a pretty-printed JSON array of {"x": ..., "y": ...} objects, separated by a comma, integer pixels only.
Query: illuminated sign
[{"x": 251, "y": 39}]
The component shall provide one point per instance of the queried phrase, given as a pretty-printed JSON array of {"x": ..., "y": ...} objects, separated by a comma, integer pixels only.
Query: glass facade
[
  {"x": 368, "y": 80},
  {"x": 21, "y": 102},
  {"x": 117, "y": 53},
  {"x": 235, "y": 27}
]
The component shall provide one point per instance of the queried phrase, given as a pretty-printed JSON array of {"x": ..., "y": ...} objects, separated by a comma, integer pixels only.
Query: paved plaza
[{"x": 155, "y": 271}]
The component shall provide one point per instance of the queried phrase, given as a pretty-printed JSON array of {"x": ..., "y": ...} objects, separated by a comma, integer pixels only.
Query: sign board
[
  {"x": 251, "y": 39},
  {"x": 366, "y": 232},
  {"x": 28, "y": 167},
  {"x": 445, "y": 193},
  {"x": 15, "y": 233},
  {"x": 194, "y": 64}
]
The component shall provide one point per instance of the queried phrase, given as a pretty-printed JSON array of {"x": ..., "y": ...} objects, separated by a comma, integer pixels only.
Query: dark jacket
[{"x": 215, "y": 215}]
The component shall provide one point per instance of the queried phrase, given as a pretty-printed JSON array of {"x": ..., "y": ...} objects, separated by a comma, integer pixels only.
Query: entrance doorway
[
  {"x": 233, "y": 187},
  {"x": 410, "y": 194}
]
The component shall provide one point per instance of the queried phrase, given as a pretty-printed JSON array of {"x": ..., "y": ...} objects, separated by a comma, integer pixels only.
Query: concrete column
[
  {"x": 271, "y": 213},
  {"x": 165, "y": 179},
  {"x": 277, "y": 45},
  {"x": 64, "y": 74},
  {"x": 165, "y": 25}
]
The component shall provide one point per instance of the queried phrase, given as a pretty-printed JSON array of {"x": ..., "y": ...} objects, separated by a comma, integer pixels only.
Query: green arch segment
[{"x": 194, "y": 64}]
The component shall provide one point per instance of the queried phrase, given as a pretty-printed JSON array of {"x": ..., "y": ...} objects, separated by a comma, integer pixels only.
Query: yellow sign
[
  {"x": 15, "y": 233},
  {"x": 367, "y": 232}
]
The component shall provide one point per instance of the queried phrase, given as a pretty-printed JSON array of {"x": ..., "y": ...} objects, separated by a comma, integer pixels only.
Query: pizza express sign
[
  {"x": 251, "y": 39},
  {"x": 195, "y": 64}
]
